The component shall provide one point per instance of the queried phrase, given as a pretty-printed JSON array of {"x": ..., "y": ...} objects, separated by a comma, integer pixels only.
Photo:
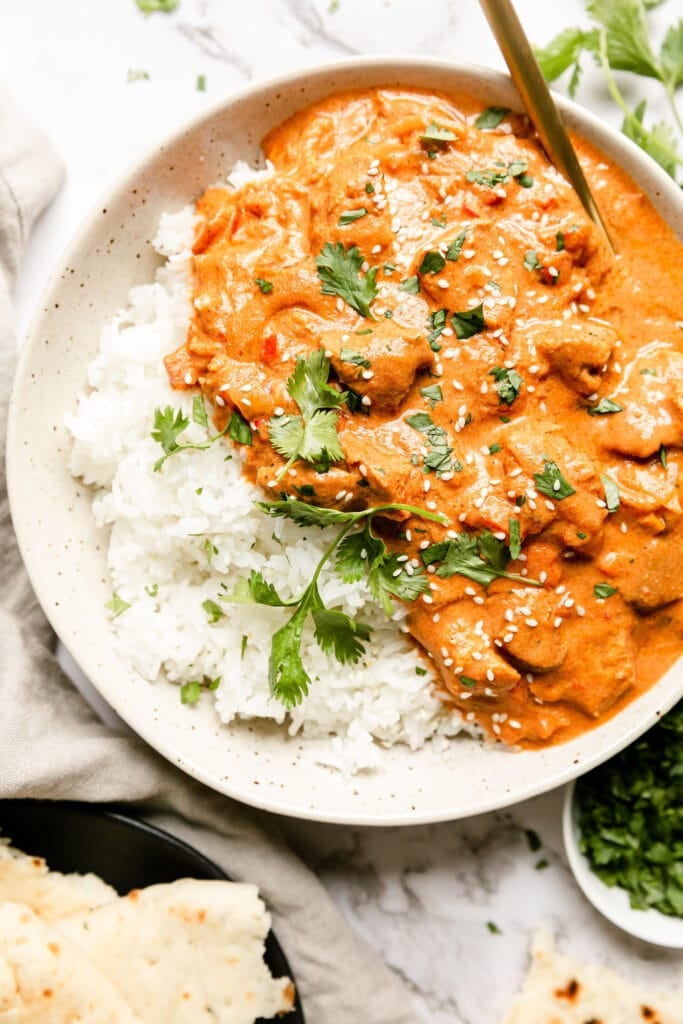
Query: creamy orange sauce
[{"x": 531, "y": 664}]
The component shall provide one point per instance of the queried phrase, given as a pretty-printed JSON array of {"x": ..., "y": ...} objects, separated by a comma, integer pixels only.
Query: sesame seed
[
  {"x": 362, "y": 469},
  {"x": 431, "y": 505},
  {"x": 245, "y": 401},
  {"x": 272, "y": 483},
  {"x": 339, "y": 495},
  {"x": 508, "y": 638},
  {"x": 442, "y": 282},
  {"x": 477, "y": 655},
  {"x": 423, "y": 545},
  {"x": 349, "y": 496},
  {"x": 366, "y": 400},
  {"x": 468, "y": 254},
  {"x": 427, "y": 599},
  {"x": 372, "y": 171},
  {"x": 219, "y": 400},
  {"x": 496, "y": 729},
  {"x": 448, "y": 662},
  {"x": 188, "y": 378},
  {"x": 478, "y": 600},
  {"x": 490, "y": 675},
  {"x": 514, "y": 724},
  {"x": 532, "y": 623},
  {"x": 367, "y": 374},
  {"x": 278, "y": 411},
  {"x": 580, "y": 610}
]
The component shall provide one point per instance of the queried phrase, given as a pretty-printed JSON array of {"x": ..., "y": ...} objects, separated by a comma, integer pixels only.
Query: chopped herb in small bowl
[{"x": 623, "y": 832}]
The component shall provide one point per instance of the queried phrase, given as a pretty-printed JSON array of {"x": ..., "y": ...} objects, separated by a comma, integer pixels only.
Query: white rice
[{"x": 162, "y": 525}]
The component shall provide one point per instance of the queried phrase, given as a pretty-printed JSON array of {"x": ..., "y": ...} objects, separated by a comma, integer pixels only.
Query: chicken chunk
[
  {"x": 579, "y": 352},
  {"x": 380, "y": 364}
]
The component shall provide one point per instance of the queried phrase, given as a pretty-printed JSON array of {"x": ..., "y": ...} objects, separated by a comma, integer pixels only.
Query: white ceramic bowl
[
  {"x": 613, "y": 902},
  {"x": 65, "y": 553}
]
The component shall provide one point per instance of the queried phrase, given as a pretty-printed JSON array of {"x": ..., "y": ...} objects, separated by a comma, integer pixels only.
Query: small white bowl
[{"x": 613, "y": 902}]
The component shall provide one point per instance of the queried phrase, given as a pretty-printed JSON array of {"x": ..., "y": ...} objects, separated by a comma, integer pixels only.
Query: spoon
[{"x": 540, "y": 106}]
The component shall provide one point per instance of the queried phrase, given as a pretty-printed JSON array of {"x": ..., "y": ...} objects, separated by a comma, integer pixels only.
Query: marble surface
[{"x": 421, "y": 896}]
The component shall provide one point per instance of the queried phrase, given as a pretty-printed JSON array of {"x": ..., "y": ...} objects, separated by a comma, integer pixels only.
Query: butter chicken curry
[{"x": 502, "y": 368}]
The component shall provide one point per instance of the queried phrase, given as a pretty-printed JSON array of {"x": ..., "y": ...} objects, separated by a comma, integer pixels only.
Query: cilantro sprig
[
  {"x": 170, "y": 423},
  {"x": 357, "y": 555},
  {"x": 339, "y": 271},
  {"x": 312, "y": 436},
  {"x": 620, "y": 40},
  {"x": 481, "y": 558}
]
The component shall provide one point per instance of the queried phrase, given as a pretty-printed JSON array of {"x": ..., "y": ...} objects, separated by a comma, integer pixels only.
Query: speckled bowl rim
[{"x": 64, "y": 552}]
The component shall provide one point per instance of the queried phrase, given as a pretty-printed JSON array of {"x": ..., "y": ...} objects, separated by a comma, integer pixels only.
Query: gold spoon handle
[{"x": 539, "y": 104}]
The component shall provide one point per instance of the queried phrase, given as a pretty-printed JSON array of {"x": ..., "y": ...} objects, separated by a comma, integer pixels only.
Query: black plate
[{"x": 125, "y": 852}]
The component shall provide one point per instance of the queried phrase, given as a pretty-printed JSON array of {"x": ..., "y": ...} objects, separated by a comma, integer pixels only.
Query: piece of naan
[
  {"x": 190, "y": 952},
  {"x": 561, "y": 990}
]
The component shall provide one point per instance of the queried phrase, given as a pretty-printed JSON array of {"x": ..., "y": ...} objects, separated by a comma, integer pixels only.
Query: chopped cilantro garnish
[
  {"x": 200, "y": 84},
  {"x": 604, "y": 408},
  {"x": 435, "y": 135},
  {"x": 117, "y": 606},
  {"x": 432, "y": 263},
  {"x": 493, "y": 928},
  {"x": 559, "y": 241},
  {"x": 438, "y": 321},
  {"x": 152, "y": 589},
  {"x": 508, "y": 384},
  {"x": 439, "y": 222},
  {"x": 348, "y": 355},
  {"x": 481, "y": 558},
  {"x": 432, "y": 393},
  {"x": 190, "y": 692},
  {"x": 630, "y": 817},
  {"x": 531, "y": 260},
  {"x": 533, "y": 839},
  {"x": 467, "y": 681},
  {"x": 515, "y": 538},
  {"x": 439, "y": 460},
  {"x": 604, "y": 590},
  {"x": 455, "y": 248},
  {"x": 243, "y": 646},
  {"x": 419, "y": 671},
  {"x": 137, "y": 75},
  {"x": 410, "y": 285},
  {"x": 238, "y": 428},
  {"x": 493, "y": 176},
  {"x": 648, "y": 372},
  {"x": 493, "y": 448},
  {"x": 265, "y": 286},
  {"x": 338, "y": 269},
  {"x": 369, "y": 188},
  {"x": 663, "y": 457},
  {"x": 491, "y": 118},
  {"x": 214, "y": 612},
  {"x": 469, "y": 322},
  {"x": 551, "y": 482},
  {"x": 349, "y": 216},
  {"x": 611, "y": 492}
]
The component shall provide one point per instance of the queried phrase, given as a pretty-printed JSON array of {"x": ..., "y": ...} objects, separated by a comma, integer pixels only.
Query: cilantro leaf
[
  {"x": 671, "y": 56},
  {"x": 338, "y": 634},
  {"x": 455, "y": 248},
  {"x": 515, "y": 538},
  {"x": 469, "y": 322},
  {"x": 289, "y": 680},
  {"x": 611, "y": 492},
  {"x": 551, "y": 482},
  {"x": 313, "y": 435},
  {"x": 438, "y": 320},
  {"x": 434, "y": 134},
  {"x": 213, "y": 611},
  {"x": 604, "y": 590},
  {"x": 349, "y": 355},
  {"x": 604, "y": 408},
  {"x": 626, "y": 33},
  {"x": 349, "y": 216},
  {"x": 481, "y": 558},
  {"x": 170, "y": 423},
  {"x": 339, "y": 271},
  {"x": 659, "y": 141},
  {"x": 564, "y": 51},
  {"x": 410, "y": 285},
  {"x": 117, "y": 606},
  {"x": 238, "y": 428},
  {"x": 433, "y": 394},
  {"x": 439, "y": 459},
  {"x": 432, "y": 263},
  {"x": 254, "y": 590},
  {"x": 303, "y": 514},
  {"x": 491, "y": 118},
  {"x": 531, "y": 260},
  {"x": 508, "y": 384},
  {"x": 264, "y": 286},
  {"x": 190, "y": 692},
  {"x": 149, "y": 6}
]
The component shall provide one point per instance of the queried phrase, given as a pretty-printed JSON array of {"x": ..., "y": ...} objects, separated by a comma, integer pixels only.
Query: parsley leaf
[
  {"x": 338, "y": 269},
  {"x": 491, "y": 118},
  {"x": 432, "y": 263},
  {"x": 481, "y": 558},
  {"x": 508, "y": 384},
  {"x": 469, "y": 322},
  {"x": 604, "y": 590},
  {"x": 604, "y": 408},
  {"x": 551, "y": 482},
  {"x": 455, "y": 248},
  {"x": 313, "y": 435}
]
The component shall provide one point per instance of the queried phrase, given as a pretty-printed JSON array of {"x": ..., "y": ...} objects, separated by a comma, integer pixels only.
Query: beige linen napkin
[{"x": 53, "y": 746}]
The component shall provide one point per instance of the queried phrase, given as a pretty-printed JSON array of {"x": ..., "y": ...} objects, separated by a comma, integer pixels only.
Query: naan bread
[
  {"x": 186, "y": 953},
  {"x": 25, "y": 879},
  {"x": 44, "y": 979},
  {"x": 561, "y": 990}
]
